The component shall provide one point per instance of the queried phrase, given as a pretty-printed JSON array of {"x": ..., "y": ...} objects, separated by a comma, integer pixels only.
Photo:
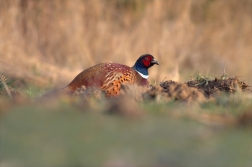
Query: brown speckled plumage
[{"x": 108, "y": 77}]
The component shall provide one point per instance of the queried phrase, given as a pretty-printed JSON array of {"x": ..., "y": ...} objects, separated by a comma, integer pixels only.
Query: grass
[
  {"x": 76, "y": 132},
  {"x": 64, "y": 136},
  {"x": 63, "y": 132}
]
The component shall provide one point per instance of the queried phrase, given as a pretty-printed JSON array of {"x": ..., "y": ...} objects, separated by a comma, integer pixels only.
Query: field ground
[
  {"x": 203, "y": 117},
  {"x": 155, "y": 131},
  {"x": 32, "y": 136}
]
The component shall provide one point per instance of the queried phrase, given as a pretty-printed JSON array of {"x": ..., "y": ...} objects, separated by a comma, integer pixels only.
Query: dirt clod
[
  {"x": 217, "y": 86},
  {"x": 120, "y": 106},
  {"x": 245, "y": 119},
  {"x": 177, "y": 91}
]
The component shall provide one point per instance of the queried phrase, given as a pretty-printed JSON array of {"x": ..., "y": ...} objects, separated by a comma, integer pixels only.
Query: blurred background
[{"x": 48, "y": 42}]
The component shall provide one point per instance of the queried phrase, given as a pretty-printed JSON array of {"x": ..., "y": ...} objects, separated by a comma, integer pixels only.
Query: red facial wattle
[{"x": 147, "y": 61}]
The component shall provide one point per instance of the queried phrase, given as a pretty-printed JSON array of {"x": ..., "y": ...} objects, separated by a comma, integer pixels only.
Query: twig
[
  {"x": 163, "y": 79},
  {"x": 224, "y": 70}
]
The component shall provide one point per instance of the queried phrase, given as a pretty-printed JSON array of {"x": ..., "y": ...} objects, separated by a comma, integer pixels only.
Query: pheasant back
[{"x": 107, "y": 76}]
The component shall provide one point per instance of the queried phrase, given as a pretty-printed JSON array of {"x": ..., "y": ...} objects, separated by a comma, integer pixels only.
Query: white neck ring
[{"x": 142, "y": 75}]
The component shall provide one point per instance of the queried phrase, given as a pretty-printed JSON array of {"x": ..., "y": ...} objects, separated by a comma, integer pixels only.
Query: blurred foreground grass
[{"x": 72, "y": 133}]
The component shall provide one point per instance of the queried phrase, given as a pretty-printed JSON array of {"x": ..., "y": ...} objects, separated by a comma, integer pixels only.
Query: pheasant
[{"x": 110, "y": 76}]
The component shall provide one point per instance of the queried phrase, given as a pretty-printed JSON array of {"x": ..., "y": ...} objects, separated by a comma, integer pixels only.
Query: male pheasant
[{"x": 110, "y": 76}]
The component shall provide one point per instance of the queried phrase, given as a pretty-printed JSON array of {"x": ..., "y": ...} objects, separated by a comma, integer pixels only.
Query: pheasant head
[{"x": 143, "y": 63}]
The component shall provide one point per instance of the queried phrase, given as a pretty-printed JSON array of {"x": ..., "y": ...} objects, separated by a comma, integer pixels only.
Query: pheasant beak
[{"x": 154, "y": 62}]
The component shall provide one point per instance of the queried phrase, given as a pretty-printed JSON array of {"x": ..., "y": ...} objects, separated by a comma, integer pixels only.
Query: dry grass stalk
[
  {"x": 49, "y": 42},
  {"x": 6, "y": 87}
]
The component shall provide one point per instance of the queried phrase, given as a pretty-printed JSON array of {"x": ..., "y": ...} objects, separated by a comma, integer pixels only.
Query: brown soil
[
  {"x": 198, "y": 89},
  {"x": 245, "y": 119},
  {"x": 217, "y": 86},
  {"x": 178, "y": 91}
]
